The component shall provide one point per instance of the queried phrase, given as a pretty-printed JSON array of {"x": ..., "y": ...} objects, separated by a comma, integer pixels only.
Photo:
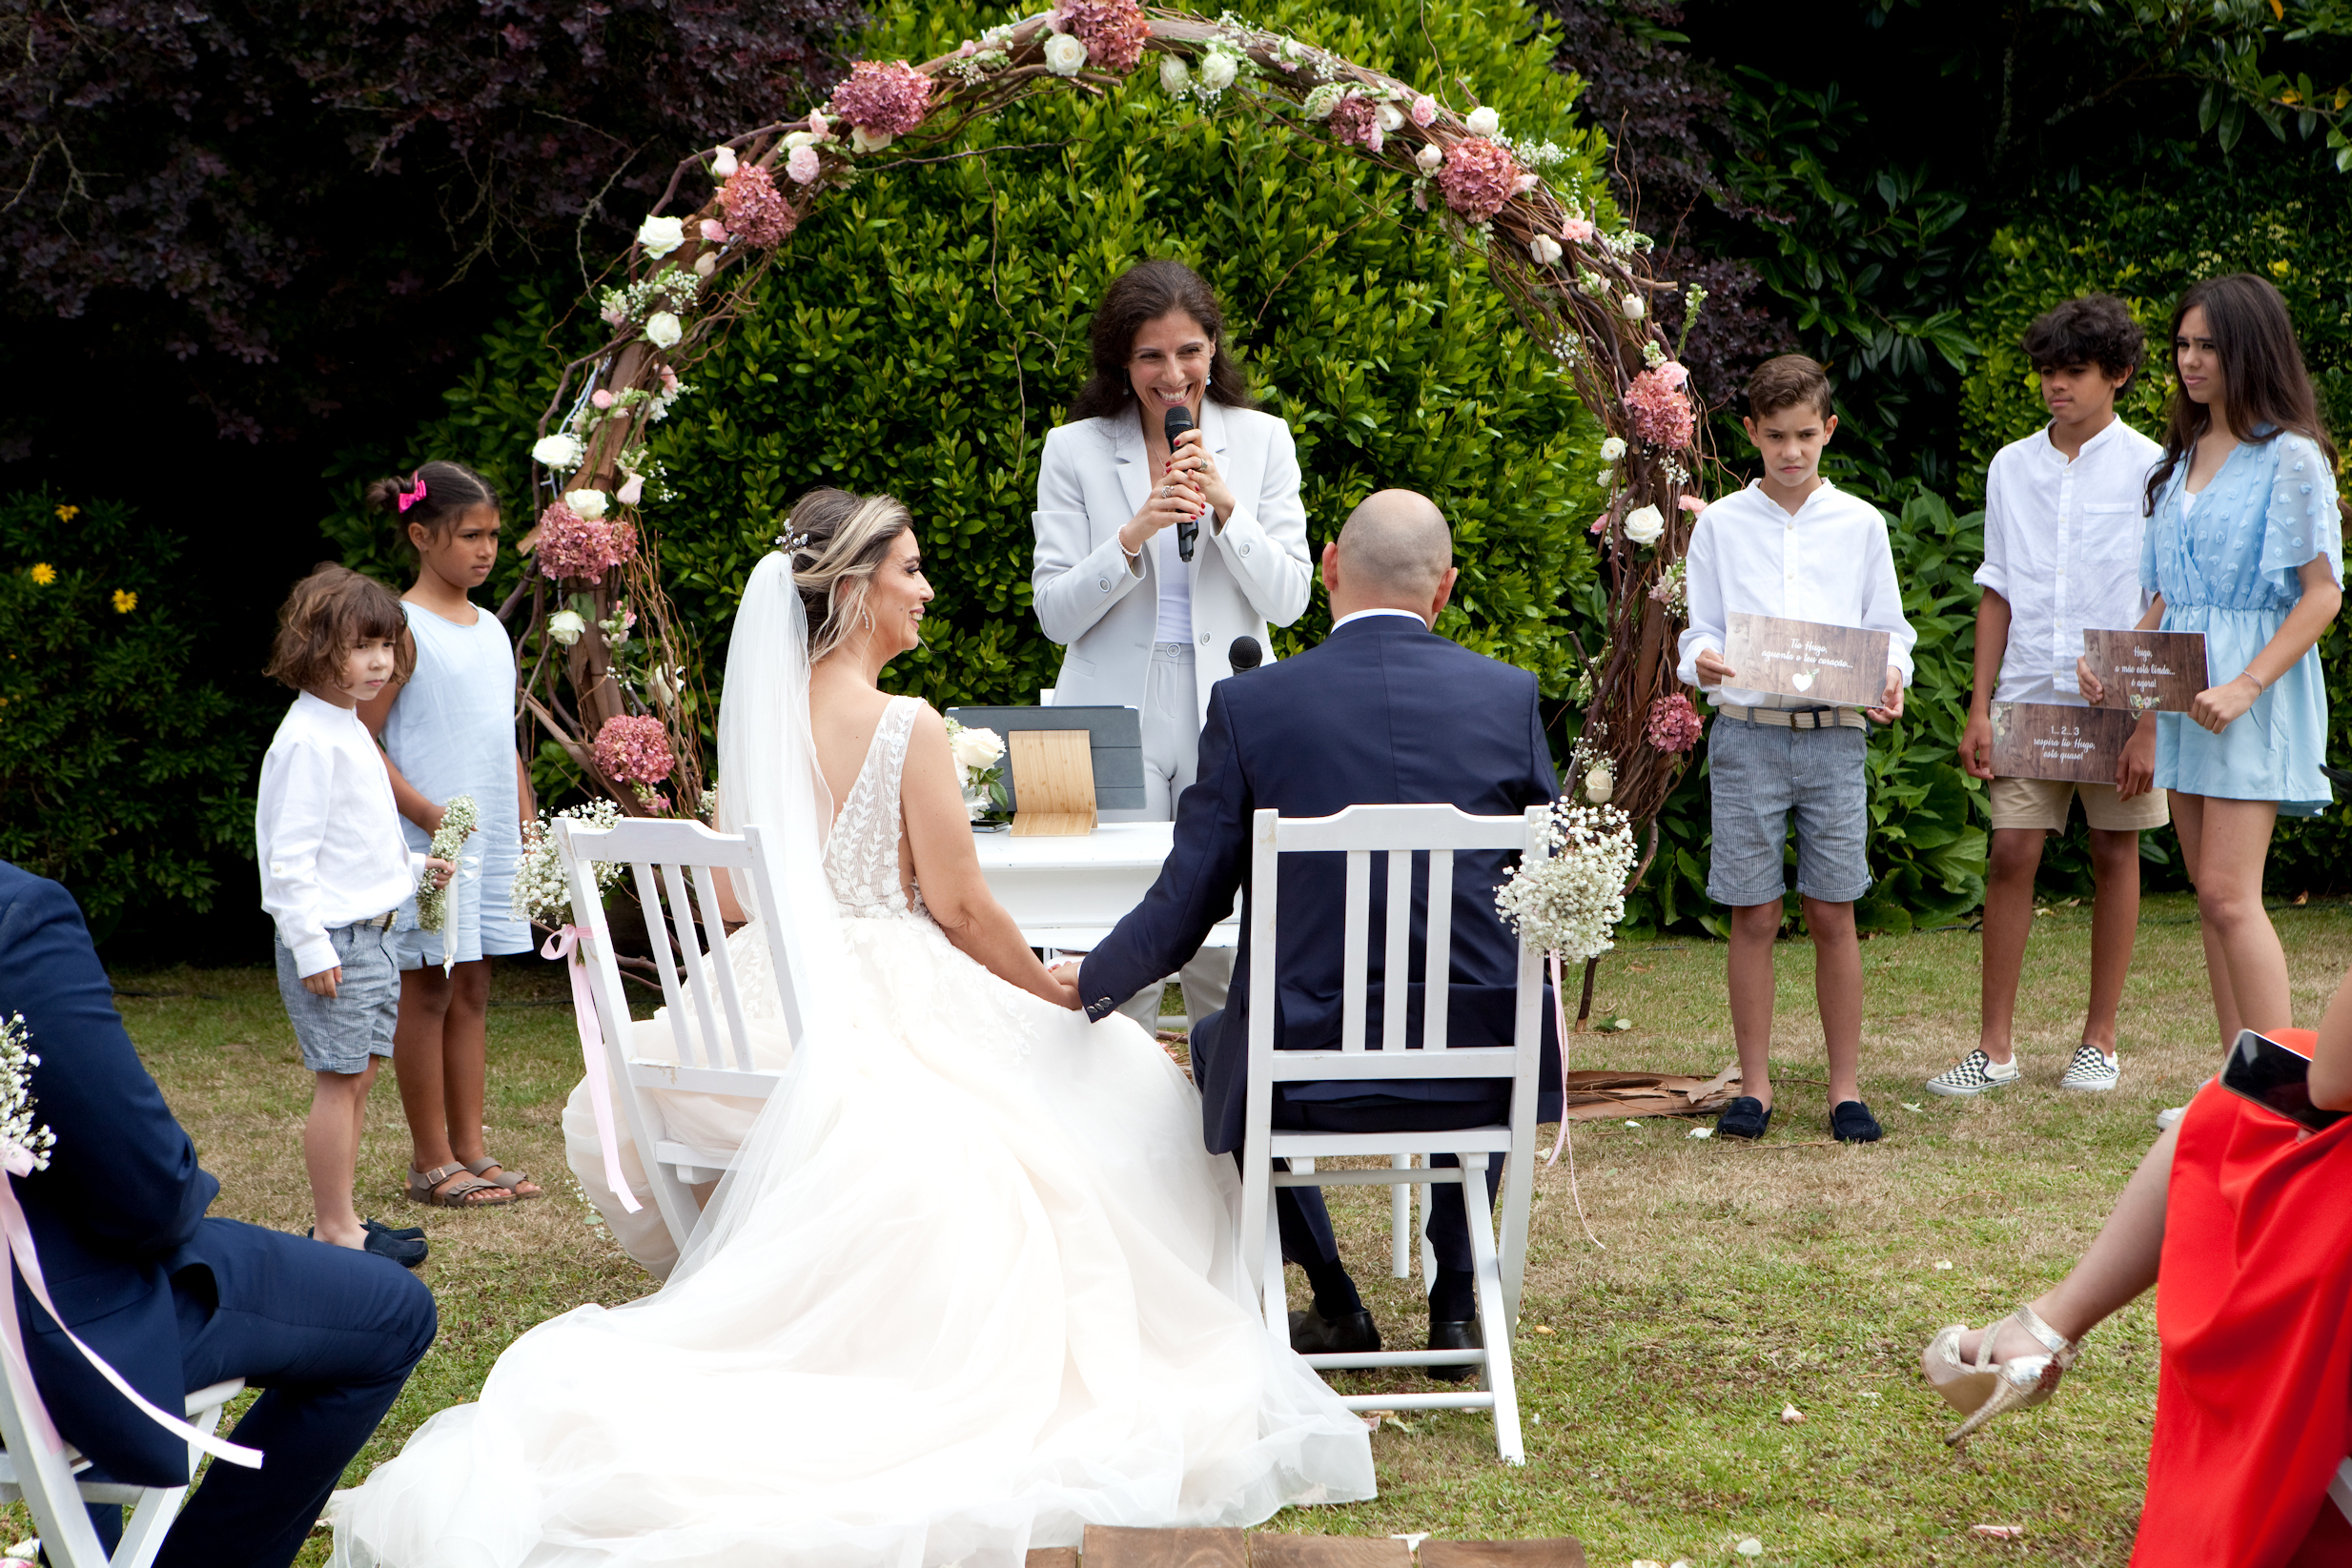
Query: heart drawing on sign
[{"x": 1803, "y": 680}]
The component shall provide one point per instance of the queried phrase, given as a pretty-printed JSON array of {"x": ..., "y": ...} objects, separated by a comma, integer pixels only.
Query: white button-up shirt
[
  {"x": 327, "y": 832},
  {"x": 2062, "y": 546},
  {"x": 1827, "y": 561}
]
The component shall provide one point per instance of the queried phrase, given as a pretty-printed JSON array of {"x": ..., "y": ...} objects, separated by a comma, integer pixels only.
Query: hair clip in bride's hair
[{"x": 790, "y": 542}]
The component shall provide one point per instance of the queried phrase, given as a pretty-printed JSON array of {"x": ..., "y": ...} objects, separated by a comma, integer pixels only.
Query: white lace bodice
[{"x": 861, "y": 857}]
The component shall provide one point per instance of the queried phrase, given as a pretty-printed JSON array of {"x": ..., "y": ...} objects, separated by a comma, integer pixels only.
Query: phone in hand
[{"x": 2276, "y": 1077}]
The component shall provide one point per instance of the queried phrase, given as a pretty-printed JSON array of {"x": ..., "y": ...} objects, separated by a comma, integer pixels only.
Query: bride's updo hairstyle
[{"x": 837, "y": 541}]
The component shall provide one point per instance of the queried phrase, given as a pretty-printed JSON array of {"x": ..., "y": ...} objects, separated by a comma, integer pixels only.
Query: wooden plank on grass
[
  {"x": 1273, "y": 1551},
  {"x": 1107, "y": 1546},
  {"x": 1558, "y": 1552}
]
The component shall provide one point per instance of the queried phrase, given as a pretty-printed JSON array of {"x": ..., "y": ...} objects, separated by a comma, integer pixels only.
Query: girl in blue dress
[{"x": 2245, "y": 544}]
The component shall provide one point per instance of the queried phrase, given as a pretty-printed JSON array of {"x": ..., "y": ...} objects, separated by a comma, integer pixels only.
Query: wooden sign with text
[
  {"x": 1843, "y": 665},
  {"x": 2144, "y": 670},
  {"x": 2049, "y": 741}
]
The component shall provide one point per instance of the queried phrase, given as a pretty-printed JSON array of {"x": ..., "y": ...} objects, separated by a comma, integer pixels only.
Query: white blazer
[{"x": 1254, "y": 570}]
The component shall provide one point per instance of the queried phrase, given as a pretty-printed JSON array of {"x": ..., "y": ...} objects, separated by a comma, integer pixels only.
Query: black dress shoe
[
  {"x": 1746, "y": 1117},
  {"x": 1312, "y": 1333},
  {"x": 406, "y": 1233},
  {"x": 1454, "y": 1337},
  {"x": 1850, "y": 1122}
]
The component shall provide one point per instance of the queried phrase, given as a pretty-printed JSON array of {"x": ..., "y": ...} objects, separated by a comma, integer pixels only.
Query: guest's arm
[
  {"x": 119, "y": 1149},
  {"x": 1196, "y": 886}
]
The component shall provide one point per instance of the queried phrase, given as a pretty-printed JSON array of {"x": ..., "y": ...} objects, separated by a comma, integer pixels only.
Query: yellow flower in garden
[
  {"x": 2343, "y": 96},
  {"x": 125, "y": 603},
  {"x": 66, "y": 514},
  {"x": 43, "y": 573},
  {"x": 2279, "y": 269}
]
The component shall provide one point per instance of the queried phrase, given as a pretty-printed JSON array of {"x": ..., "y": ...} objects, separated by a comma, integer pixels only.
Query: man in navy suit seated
[
  {"x": 1382, "y": 711},
  {"x": 174, "y": 1302}
]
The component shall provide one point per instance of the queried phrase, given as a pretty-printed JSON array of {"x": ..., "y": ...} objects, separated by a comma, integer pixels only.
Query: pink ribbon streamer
[
  {"x": 566, "y": 944},
  {"x": 17, "y": 1161},
  {"x": 1560, "y": 1018}
]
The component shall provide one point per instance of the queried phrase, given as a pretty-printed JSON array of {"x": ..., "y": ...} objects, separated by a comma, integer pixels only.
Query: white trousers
[{"x": 1171, "y": 762}]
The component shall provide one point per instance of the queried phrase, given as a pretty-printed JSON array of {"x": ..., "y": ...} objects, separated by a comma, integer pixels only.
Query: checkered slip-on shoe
[
  {"x": 2092, "y": 1068},
  {"x": 1976, "y": 1073}
]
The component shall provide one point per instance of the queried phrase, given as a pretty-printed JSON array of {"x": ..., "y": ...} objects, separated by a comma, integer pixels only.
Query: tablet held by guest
[{"x": 1169, "y": 523}]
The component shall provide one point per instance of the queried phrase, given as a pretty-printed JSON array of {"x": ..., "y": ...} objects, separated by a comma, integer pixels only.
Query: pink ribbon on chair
[
  {"x": 1560, "y": 1018},
  {"x": 566, "y": 944},
  {"x": 17, "y": 1161}
]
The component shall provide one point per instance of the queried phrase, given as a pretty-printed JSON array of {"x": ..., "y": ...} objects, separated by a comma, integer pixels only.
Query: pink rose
[
  {"x": 669, "y": 379},
  {"x": 1425, "y": 110},
  {"x": 1525, "y": 183},
  {"x": 819, "y": 126},
  {"x": 614, "y": 315},
  {"x": 966, "y": 50},
  {"x": 1577, "y": 228},
  {"x": 801, "y": 165},
  {"x": 602, "y": 397},
  {"x": 630, "y": 493},
  {"x": 1673, "y": 372},
  {"x": 1598, "y": 524},
  {"x": 714, "y": 231}
]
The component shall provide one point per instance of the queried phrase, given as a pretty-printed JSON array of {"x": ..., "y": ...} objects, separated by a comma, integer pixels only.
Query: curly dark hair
[
  {"x": 1146, "y": 292},
  {"x": 331, "y": 612},
  {"x": 2097, "y": 329}
]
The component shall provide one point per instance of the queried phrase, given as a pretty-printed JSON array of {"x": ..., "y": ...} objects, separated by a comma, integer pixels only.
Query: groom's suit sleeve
[{"x": 1195, "y": 887}]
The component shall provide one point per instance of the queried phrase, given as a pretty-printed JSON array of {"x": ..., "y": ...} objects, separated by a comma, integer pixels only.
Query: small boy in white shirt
[
  {"x": 2063, "y": 524},
  {"x": 334, "y": 869},
  {"x": 1794, "y": 547}
]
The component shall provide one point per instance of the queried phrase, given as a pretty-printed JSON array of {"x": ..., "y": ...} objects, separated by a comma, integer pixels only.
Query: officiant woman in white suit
[{"x": 1143, "y": 628}]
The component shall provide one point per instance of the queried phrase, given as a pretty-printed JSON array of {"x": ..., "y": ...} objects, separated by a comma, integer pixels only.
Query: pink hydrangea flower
[
  {"x": 801, "y": 164},
  {"x": 1579, "y": 230},
  {"x": 713, "y": 231},
  {"x": 571, "y": 548},
  {"x": 634, "y": 749},
  {"x": 755, "y": 209},
  {"x": 1674, "y": 725},
  {"x": 1356, "y": 120},
  {"x": 1660, "y": 414},
  {"x": 890, "y": 97},
  {"x": 1423, "y": 112},
  {"x": 1673, "y": 372},
  {"x": 1113, "y": 31},
  {"x": 1477, "y": 177}
]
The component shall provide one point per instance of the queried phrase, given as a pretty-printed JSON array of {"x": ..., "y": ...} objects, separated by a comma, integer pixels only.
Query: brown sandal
[
  {"x": 515, "y": 1180},
  {"x": 465, "y": 1190}
]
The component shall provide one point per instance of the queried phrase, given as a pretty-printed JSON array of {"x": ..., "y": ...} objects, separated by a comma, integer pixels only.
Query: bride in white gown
[{"x": 973, "y": 1284}]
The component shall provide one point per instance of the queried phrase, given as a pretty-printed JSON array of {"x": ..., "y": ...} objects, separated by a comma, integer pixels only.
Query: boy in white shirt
[
  {"x": 334, "y": 869},
  {"x": 1794, "y": 547},
  {"x": 2063, "y": 523}
]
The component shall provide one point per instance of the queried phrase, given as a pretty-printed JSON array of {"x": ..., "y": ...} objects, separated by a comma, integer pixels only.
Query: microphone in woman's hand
[{"x": 1180, "y": 420}]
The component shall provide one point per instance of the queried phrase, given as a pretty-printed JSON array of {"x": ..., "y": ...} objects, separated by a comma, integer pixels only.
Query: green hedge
[
  {"x": 2146, "y": 246},
  {"x": 124, "y": 769}
]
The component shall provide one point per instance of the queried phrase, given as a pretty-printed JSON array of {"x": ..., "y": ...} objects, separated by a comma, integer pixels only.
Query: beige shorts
[{"x": 2044, "y": 802}]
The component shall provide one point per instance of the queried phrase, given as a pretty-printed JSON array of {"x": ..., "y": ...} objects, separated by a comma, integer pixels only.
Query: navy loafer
[{"x": 1746, "y": 1117}]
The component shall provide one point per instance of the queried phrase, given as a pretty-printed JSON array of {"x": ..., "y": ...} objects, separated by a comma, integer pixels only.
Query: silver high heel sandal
[{"x": 1984, "y": 1387}]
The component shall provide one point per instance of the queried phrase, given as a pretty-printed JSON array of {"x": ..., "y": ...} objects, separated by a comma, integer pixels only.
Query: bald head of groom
[{"x": 1395, "y": 552}]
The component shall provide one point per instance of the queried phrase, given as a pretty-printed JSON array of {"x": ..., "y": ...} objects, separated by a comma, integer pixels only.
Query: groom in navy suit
[
  {"x": 170, "y": 1300},
  {"x": 1383, "y": 710}
]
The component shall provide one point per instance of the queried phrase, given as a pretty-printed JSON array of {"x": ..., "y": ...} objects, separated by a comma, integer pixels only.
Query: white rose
[
  {"x": 722, "y": 162},
  {"x": 1064, "y": 54},
  {"x": 1633, "y": 307},
  {"x": 1175, "y": 76},
  {"x": 1392, "y": 118},
  {"x": 556, "y": 451},
  {"x": 976, "y": 749},
  {"x": 1483, "y": 122},
  {"x": 663, "y": 331},
  {"x": 1643, "y": 525},
  {"x": 661, "y": 235},
  {"x": 1216, "y": 71},
  {"x": 566, "y": 626},
  {"x": 1613, "y": 449},
  {"x": 706, "y": 263},
  {"x": 1429, "y": 158},
  {"x": 1599, "y": 783},
  {"x": 863, "y": 140},
  {"x": 798, "y": 139},
  {"x": 1544, "y": 249},
  {"x": 589, "y": 503}
]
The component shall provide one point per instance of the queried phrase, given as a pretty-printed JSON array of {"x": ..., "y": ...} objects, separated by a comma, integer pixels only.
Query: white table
[{"x": 1068, "y": 893}]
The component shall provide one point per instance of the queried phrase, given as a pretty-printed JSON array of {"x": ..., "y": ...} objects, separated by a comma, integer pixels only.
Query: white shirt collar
[{"x": 1380, "y": 609}]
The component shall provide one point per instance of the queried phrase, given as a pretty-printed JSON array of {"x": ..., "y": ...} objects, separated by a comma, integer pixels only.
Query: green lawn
[{"x": 1731, "y": 1281}]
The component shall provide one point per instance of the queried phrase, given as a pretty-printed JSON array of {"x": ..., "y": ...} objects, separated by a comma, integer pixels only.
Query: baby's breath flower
[
  {"x": 1570, "y": 902},
  {"x": 459, "y": 819}
]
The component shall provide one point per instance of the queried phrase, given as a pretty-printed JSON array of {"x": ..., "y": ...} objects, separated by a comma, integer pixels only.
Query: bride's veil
[{"x": 768, "y": 779}]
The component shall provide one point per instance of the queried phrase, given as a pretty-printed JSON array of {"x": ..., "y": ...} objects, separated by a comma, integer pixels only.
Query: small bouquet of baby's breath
[
  {"x": 459, "y": 819},
  {"x": 1570, "y": 902},
  {"x": 542, "y": 890},
  {"x": 18, "y": 1130}
]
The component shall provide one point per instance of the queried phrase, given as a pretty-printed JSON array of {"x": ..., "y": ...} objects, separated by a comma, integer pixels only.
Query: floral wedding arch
[{"x": 605, "y": 677}]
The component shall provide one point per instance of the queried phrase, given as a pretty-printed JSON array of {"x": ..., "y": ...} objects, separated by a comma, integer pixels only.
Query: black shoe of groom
[
  {"x": 1312, "y": 1333},
  {"x": 1850, "y": 1122},
  {"x": 1454, "y": 1337},
  {"x": 1746, "y": 1117}
]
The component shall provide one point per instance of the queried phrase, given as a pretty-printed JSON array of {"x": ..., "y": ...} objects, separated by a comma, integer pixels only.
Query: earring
[{"x": 867, "y": 616}]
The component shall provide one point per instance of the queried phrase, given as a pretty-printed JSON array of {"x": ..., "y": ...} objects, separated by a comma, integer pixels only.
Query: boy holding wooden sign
[
  {"x": 2063, "y": 526},
  {"x": 1796, "y": 630}
]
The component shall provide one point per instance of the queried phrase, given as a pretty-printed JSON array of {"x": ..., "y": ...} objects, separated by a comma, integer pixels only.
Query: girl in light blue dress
[
  {"x": 450, "y": 731},
  {"x": 2245, "y": 544}
]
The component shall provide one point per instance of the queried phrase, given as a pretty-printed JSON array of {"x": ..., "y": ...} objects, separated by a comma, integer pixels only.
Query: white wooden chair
[
  {"x": 710, "y": 1042},
  {"x": 47, "y": 1482},
  {"x": 1398, "y": 832}
]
